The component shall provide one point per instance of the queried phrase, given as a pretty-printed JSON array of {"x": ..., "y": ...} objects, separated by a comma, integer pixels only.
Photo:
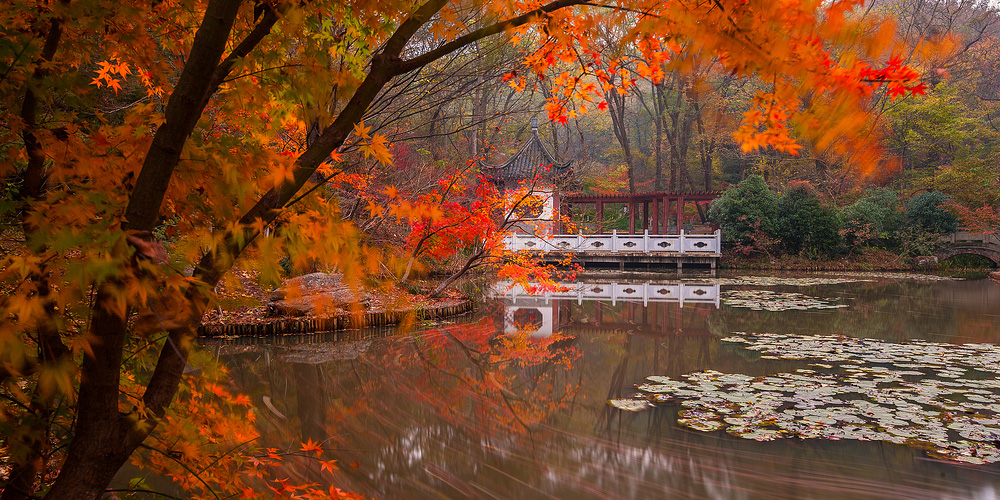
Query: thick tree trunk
[{"x": 98, "y": 449}]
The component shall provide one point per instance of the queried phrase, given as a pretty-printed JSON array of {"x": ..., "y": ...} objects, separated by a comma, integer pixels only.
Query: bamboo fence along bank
[{"x": 343, "y": 321}]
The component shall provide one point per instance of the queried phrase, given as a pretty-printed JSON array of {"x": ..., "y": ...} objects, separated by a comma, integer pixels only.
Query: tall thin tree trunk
[
  {"x": 658, "y": 146},
  {"x": 616, "y": 107}
]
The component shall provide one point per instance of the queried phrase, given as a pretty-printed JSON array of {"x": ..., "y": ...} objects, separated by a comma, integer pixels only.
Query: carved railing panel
[{"x": 615, "y": 243}]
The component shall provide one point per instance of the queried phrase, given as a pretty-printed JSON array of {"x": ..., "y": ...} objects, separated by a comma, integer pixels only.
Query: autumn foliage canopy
[{"x": 147, "y": 146}]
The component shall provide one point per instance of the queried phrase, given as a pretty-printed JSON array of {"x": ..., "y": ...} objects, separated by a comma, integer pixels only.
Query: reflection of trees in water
[
  {"x": 459, "y": 389},
  {"x": 646, "y": 455},
  {"x": 472, "y": 397},
  {"x": 461, "y": 411}
]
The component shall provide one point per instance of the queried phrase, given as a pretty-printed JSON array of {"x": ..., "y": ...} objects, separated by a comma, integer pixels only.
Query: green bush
[
  {"x": 807, "y": 227},
  {"x": 745, "y": 210},
  {"x": 926, "y": 212},
  {"x": 874, "y": 220}
]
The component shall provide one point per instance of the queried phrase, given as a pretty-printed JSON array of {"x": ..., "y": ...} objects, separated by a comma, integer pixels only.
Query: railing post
[
  {"x": 513, "y": 242},
  {"x": 579, "y": 241},
  {"x": 682, "y": 240},
  {"x": 614, "y": 241},
  {"x": 718, "y": 241},
  {"x": 645, "y": 241}
]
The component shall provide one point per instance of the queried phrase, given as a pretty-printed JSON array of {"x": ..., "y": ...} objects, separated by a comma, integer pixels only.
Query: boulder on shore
[{"x": 315, "y": 294}]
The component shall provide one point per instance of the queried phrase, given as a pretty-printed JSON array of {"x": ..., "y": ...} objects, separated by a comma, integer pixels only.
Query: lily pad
[{"x": 912, "y": 393}]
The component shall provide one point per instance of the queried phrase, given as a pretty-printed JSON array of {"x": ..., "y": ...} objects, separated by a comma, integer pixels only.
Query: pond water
[{"x": 766, "y": 386}]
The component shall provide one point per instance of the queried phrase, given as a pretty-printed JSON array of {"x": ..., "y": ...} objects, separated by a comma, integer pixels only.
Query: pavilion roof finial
[{"x": 534, "y": 125}]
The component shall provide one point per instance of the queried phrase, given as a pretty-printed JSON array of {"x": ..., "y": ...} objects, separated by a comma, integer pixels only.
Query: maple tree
[
  {"x": 155, "y": 143},
  {"x": 469, "y": 218}
]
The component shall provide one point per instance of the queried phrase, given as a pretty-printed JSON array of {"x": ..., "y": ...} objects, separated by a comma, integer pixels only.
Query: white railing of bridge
[
  {"x": 695, "y": 293},
  {"x": 693, "y": 244}
]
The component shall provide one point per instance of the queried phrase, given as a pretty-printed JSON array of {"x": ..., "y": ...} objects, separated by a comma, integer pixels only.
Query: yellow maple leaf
[
  {"x": 361, "y": 130},
  {"x": 378, "y": 148}
]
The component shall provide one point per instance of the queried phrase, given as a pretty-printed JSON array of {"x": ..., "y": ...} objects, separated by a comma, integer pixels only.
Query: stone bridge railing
[
  {"x": 968, "y": 242},
  {"x": 694, "y": 244},
  {"x": 963, "y": 237}
]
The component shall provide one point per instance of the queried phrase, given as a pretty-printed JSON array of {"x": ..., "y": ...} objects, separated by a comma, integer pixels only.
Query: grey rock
[{"x": 315, "y": 294}]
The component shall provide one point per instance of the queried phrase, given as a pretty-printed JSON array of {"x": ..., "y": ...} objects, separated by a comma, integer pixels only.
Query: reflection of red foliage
[
  {"x": 481, "y": 380},
  {"x": 528, "y": 319}
]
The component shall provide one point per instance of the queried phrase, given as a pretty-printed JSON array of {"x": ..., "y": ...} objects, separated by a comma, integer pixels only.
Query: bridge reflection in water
[{"x": 645, "y": 310}]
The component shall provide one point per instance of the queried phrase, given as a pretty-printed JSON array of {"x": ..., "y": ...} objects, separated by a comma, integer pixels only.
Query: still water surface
[{"x": 469, "y": 409}]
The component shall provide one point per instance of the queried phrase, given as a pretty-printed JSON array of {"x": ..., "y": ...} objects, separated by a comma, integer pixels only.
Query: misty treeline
[{"x": 677, "y": 134}]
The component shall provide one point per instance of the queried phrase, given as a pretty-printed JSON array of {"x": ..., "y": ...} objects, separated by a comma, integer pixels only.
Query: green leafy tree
[
  {"x": 926, "y": 211},
  {"x": 875, "y": 219},
  {"x": 806, "y": 226},
  {"x": 744, "y": 210},
  {"x": 939, "y": 129}
]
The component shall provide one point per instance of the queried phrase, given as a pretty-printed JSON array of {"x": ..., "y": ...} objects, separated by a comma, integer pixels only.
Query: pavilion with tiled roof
[
  {"x": 531, "y": 159},
  {"x": 533, "y": 167}
]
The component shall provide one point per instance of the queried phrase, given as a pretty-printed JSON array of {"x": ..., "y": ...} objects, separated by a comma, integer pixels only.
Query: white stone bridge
[{"x": 626, "y": 250}]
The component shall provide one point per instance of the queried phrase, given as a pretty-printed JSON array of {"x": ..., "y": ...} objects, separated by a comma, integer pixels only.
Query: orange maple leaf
[{"x": 311, "y": 445}]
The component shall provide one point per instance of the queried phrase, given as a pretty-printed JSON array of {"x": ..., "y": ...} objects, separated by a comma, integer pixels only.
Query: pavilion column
[
  {"x": 666, "y": 215},
  {"x": 631, "y": 217},
  {"x": 656, "y": 216},
  {"x": 645, "y": 215},
  {"x": 665, "y": 325},
  {"x": 600, "y": 217},
  {"x": 680, "y": 214},
  {"x": 656, "y": 315}
]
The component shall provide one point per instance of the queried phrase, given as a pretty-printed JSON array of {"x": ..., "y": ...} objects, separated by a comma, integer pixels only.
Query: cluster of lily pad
[
  {"x": 899, "y": 276},
  {"x": 766, "y": 300},
  {"x": 939, "y": 397},
  {"x": 837, "y": 279},
  {"x": 777, "y": 281}
]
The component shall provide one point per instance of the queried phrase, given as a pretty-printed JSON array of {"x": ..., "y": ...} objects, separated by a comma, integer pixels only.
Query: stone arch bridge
[{"x": 967, "y": 242}]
